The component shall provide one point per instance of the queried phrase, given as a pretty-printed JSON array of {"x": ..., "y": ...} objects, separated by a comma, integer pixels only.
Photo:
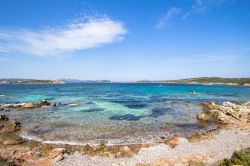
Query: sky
[{"x": 124, "y": 40}]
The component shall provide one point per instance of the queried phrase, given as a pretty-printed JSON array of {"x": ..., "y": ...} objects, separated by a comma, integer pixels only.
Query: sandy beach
[{"x": 208, "y": 151}]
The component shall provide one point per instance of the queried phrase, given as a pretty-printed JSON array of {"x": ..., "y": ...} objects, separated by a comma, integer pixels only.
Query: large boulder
[{"x": 226, "y": 112}]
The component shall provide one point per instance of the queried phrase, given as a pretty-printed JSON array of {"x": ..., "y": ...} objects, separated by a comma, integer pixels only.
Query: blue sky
[{"x": 124, "y": 40}]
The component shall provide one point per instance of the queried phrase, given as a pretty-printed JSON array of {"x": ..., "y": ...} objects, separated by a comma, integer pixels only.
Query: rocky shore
[
  {"x": 226, "y": 113},
  {"x": 207, "y": 148},
  {"x": 20, "y": 106}
]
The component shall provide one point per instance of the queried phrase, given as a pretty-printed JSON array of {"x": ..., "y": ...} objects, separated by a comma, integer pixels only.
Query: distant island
[
  {"x": 213, "y": 80},
  {"x": 204, "y": 80},
  {"x": 29, "y": 81},
  {"x": 84, "y": 81}
]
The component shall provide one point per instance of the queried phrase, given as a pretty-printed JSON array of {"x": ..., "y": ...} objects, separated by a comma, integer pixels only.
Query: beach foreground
[
  {"x": 207, "y": 151},
  {"x": 233, "y": 133}
]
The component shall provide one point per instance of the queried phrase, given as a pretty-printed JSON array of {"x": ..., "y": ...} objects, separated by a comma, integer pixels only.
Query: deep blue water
[{"x": 120, "y": 113}]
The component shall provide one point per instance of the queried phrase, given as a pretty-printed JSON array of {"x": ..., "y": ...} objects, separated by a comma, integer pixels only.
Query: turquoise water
[{"x": 118, "y": 113}]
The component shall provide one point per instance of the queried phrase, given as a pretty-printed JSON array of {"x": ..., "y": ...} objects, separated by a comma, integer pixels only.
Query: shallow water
[{"x": 119, "y": 113}]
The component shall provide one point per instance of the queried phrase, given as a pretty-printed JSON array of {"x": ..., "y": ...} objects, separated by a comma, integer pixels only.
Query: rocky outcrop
[
  {"x": 10, "y": 126},
  {"x": 7, "y": 132},
  {"x": 226, "y": 112},
  {"x": 21, "y": 106}
]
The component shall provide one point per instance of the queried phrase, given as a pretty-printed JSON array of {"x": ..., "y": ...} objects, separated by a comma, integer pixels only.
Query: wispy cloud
[
  {"x": 203, "y": 7},
  {"x": 200, "y": 7},
  {"x": 58, "y": 41},
  {"x": 165, "y": 20}
]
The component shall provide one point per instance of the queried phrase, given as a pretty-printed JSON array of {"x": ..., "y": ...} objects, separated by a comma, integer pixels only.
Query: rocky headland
[
  {"x": 206, "y": 148},
  {"x": 29, "y": 81}
]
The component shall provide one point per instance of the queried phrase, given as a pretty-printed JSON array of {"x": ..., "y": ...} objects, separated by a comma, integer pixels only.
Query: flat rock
[
  {"x": 10, "y": 138},
  {"x": 54, "y": 153}
]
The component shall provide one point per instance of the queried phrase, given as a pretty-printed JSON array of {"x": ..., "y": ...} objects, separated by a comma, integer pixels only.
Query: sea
[{"x": 119, "y": 113}]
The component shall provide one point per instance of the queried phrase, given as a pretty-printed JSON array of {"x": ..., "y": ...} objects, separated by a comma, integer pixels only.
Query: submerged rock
[
  {"x": 3, "y": 118},
  {"x": 226, "y": 112}
]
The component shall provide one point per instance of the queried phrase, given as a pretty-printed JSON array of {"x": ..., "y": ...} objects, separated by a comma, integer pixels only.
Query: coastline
[
  {"x": 176, "y": 150},
  {"x": 212, "y": 83}
]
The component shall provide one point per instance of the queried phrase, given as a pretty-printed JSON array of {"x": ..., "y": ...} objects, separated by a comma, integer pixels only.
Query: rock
[
  {"x": 10, "y": 138},
  {"x": 41, "y": 162},
  {"x": 3, "y": 118},
  {"x": 56, "y": 152},
  {"x": 24, "y": 156},
  {"x": 29, "y": 105},
  {"x": 229, "y": 104},
  {"x": 203, "y": 117},
  {"x": 226, "y": 112},
  {"x": 247, "y": 103},
  {"x": 125, "y": 151},
  {"x": 21, "y": 106},
  {"x": 223, "y": 118},
  {"x": 172, "y": 142},
  {"x": 103, "y": 143},
  {"x": 87, "y": 149},
  {"x": 42, "y": 103},
  {"x": 229, "y": 111},
  {"x": 58, "y": 158},
  {"x": 11, "y": 126},
  {"x": 208, "y": 106}
]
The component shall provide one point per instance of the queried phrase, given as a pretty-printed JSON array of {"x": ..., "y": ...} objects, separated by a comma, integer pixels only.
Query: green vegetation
[
  {"x": 241, "y": 157},
  {"x": 207, "y": 80}
]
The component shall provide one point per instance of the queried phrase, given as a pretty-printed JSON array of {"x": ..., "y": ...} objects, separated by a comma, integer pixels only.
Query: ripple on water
[{"x": 92, "y": 110}]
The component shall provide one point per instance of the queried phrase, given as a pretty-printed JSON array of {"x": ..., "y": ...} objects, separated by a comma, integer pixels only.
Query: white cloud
[
  {"x": 58, "y": 41},
  {"x": 165, "y": 21}
]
